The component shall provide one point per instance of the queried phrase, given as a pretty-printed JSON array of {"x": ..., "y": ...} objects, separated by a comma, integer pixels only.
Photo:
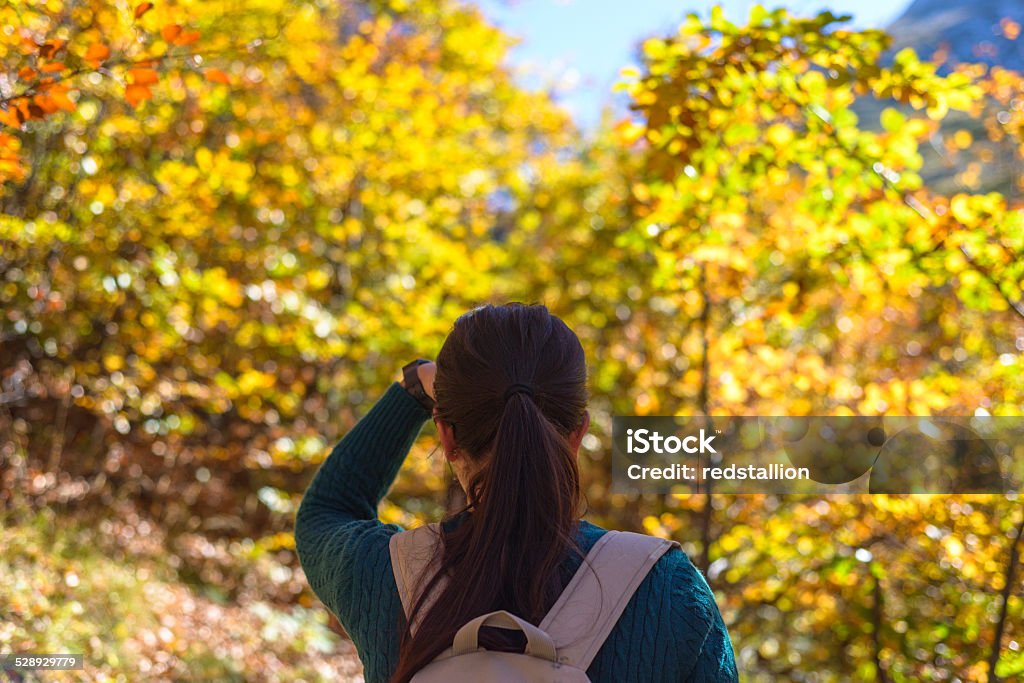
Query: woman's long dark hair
[{"x": 524, "y": 502}]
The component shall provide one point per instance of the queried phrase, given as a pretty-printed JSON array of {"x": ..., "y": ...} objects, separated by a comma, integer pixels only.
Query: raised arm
[
  {"x": 341, "y": 544},
  {"x": 357, "y": 474}
]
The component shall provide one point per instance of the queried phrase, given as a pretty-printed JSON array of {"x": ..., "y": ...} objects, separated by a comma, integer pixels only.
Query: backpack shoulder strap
[
  {"x": 413, "y": 553},
  {"x": 589, "y": 607}
]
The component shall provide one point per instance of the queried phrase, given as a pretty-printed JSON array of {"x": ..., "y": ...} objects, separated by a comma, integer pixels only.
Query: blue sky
[{"x": 578, "y": 46}]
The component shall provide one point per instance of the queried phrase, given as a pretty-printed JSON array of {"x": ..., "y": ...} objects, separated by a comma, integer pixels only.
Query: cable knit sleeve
[
  {"x": 342, "y": 545},
  {"x": 714, "y": 661}
]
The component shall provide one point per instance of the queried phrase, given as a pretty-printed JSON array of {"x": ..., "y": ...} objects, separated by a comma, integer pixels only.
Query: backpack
[{"x": 562, "y": 646}]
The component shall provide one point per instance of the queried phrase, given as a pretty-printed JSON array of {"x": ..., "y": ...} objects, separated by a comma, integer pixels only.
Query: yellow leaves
[
  {"x": 779, "y": 135},
  {"x": 652, "y": 526},
  {"x": 283, "y": 540},
  {"x": 642, "y": 192},
  {"x": 729, "y": 543},
  {"x": 629, "y": 131},
  {"x": 813, "y": 82},
  {"x": 938, "y": 111},
  {"x": 317, "y": 279},
  {"x": 732, "y": 392},
  {"x": 253, "y": 382},
  {"x": 721, "y": 254},
  {"x": 704, "y": 189},
  {"x": 218, "y": 285},
  {"x": 645, "y": 98},
  {"x": 629, "y": 72},
  {"x": 892, "y": 119},
  {"x": 204, "y": 159}
]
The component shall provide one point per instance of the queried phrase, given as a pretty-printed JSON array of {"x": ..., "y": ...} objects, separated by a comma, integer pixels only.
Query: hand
[{"x": 426, "y": 373}]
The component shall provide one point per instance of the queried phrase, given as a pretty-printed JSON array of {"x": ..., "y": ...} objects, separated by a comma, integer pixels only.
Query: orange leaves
[
  {"x": 217, "y": 76},
  {"x": 176, "y": 35},
  {"x": 97, "y": 54},
  {"x": 138, "y": 90},
  {"x": 53, "y": 100},
  {"x": 51, "y": 97},
  {"x": 9, "y": 117},
  {"x": 142, "y": 76},
  {"x": 11, "y": 165},
  {"x": 50, "y": 48},
  {"x": 187, "y": 38},
  {"x": 170, "y": 32},
  {"x": 1010, "y": 28},
  {"x": 137, "y": 94},
  {"x": 142, "y": 9}
]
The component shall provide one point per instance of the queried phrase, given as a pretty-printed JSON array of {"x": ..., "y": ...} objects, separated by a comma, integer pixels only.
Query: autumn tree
[
  {"x": 783, "y": 257},
  {"x": 228, "y": 224},
  {"x": 214, "y": 271}
]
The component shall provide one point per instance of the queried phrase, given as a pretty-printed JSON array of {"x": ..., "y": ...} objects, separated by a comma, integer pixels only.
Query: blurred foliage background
[{"x": 226, "y": 225}]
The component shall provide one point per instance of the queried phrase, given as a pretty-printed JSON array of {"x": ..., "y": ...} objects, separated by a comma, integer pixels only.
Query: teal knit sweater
[{"x": 670, "y": 631}]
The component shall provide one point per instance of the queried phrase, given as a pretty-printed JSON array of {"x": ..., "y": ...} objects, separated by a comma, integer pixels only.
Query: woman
[{"x": 509, "y": 401}]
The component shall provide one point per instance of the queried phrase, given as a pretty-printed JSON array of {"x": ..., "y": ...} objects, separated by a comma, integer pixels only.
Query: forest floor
[{"x": 141, "y": 606}]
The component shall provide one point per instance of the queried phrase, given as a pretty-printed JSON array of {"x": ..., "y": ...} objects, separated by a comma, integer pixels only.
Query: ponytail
[{"x": 523, "y": 503}]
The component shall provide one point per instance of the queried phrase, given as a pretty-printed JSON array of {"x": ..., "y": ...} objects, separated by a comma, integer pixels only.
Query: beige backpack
[{"x": 568, "y": 638}]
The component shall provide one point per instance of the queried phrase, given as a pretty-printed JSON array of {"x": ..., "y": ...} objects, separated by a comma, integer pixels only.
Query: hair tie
[{"x": 518, "y": 389}]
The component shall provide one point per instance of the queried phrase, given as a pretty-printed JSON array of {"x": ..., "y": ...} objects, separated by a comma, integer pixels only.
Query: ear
[
  {"x": 576, "y": 437},
  {"x": 447, "y": 436}
]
